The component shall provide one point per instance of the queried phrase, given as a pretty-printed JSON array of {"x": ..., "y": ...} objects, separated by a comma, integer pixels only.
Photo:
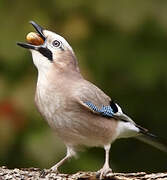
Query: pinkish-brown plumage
[{"x": 78, "y": 112}]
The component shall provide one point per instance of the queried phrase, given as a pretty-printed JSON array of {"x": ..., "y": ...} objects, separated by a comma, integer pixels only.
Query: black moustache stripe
[{"x": 46, "y": 52}]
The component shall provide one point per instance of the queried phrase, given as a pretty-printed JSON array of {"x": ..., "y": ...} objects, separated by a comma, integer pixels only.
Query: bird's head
[{"x": 49, "y": 49}]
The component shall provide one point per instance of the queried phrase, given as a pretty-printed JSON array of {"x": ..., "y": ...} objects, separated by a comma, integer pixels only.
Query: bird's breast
[
  {"x": 49, "y": 102},
  {"x": 73, "y": 124}
]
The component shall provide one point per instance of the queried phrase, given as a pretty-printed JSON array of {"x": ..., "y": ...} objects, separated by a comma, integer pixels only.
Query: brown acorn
[{"x": 34, "y": 38}]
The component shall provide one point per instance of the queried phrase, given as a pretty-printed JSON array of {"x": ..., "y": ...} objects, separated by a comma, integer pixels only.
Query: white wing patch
[{"x": 119, "y": 109}]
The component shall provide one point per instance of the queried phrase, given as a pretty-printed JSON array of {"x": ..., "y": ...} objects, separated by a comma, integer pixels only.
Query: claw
[
  {"x": 102, "y": 173},
  {"x": 45, "y": 172}
]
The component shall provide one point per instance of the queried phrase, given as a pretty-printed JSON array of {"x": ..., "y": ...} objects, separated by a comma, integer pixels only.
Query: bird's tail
[{"x": 152, "y": 139}]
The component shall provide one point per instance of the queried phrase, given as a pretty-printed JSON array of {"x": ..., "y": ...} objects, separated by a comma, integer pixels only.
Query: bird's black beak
[
  {"x": 40, "y": 48},
  {"x": 39, "y": 30}
]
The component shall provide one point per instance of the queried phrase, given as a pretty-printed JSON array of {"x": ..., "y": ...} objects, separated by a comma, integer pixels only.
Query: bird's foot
[
  {"x": 44, "y": 172},
  {"x": 103, "y": 172},
  {"x": 54, "y": 169}
]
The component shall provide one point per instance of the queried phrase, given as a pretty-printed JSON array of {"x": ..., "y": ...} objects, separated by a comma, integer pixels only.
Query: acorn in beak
[{"x": 36, "y": 41}]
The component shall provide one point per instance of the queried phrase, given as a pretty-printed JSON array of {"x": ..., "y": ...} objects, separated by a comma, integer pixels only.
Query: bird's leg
[
  {"x": 54, "y": 168},
  {"x": 106, "y": 167},
  {"x": 69, "y": 154}
]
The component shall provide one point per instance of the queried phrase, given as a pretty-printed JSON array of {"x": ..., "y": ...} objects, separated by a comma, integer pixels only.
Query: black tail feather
[{"x": 152, "y": 139}]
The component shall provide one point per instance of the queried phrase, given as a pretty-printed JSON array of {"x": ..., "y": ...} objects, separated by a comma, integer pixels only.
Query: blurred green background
[{"x": 121, "y": 47}]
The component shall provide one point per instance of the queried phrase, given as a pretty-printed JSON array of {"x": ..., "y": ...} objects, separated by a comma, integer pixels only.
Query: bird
[{"x": 79, "y": 113}]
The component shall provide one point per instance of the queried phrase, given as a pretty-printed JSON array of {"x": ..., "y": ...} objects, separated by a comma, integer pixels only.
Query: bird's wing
[
  {"x": 95, "y": 100},
  {"x": 109, "y": 111}
]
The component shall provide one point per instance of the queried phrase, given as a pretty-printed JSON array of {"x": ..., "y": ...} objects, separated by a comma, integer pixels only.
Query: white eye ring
[{"x": 56, "y": 43}]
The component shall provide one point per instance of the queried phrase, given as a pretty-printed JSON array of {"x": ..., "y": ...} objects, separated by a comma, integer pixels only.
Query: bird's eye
[{"x": 56, "y": 43}]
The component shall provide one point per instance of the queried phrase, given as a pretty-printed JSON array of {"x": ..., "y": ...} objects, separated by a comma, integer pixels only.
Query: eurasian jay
[{"x": 78, "y": 112}]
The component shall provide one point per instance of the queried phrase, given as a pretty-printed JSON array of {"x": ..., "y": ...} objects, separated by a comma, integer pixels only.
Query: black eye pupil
[{"x": 56, "y": 43}]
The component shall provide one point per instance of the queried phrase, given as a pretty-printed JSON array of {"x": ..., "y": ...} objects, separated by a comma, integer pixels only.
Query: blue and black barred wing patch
[
  {"x": 106, "y": 111},
  {"x": 110, "y": 111}
]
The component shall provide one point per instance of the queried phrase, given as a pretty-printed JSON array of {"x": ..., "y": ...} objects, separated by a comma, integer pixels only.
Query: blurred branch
[{"x": 35, "y": 173}]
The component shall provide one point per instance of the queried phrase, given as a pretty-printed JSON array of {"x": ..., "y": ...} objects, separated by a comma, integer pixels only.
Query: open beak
[
  {"x": 39, "y": 30},
  {"x": 40, "y": 48}
]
